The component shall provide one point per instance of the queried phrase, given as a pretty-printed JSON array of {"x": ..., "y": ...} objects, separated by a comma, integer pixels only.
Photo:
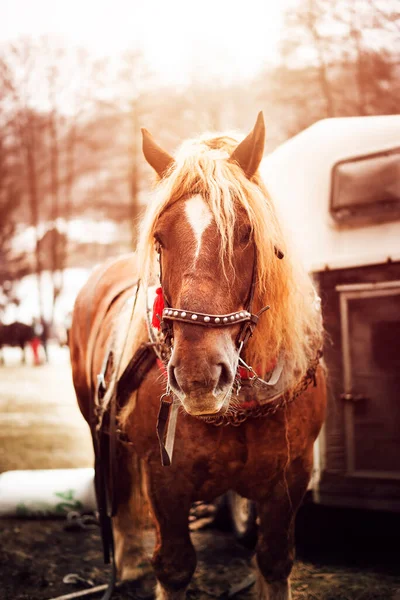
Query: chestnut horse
[{"x": 250, "y": 390}]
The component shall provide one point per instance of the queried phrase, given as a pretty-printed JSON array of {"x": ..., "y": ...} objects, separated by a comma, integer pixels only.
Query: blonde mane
[{"x": 292, "y": 328}]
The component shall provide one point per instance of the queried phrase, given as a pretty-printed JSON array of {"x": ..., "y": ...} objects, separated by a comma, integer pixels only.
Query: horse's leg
[
  {"x": 23, "y": 354},
  {"x": 275, "y": 548},
  {"x": 174, "y": 558},
  {"x": 130, "y": 557}
]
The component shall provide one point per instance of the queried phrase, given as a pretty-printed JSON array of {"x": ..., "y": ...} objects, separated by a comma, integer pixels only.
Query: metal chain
[{"x": 239, "y": 416}]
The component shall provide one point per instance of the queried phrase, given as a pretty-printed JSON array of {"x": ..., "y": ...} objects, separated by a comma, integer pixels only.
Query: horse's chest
[
  {"x": 232, "y": 461},
  {"x": 234, "y": 456},
  {"x": 216, "y": 459}
]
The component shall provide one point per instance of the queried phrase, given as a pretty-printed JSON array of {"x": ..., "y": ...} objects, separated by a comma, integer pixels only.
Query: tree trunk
[
  {"x": 322, "y": 68},
  {"x": 28, "y": 146}
]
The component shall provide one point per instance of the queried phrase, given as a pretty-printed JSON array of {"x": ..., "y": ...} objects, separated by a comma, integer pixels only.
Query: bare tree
[
  {"x": 337, "y": 59},
  {"x": 48, "y": 124},
  {"x": 304, "y": 27},
  {"x": 13, "y": 264}
]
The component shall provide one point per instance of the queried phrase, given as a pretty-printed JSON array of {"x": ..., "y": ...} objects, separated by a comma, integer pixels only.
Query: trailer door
[{"x": 370, "y": 329}]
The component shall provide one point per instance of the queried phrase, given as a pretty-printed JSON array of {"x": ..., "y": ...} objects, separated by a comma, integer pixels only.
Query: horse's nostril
[
  {"x": 226, "y": 376},
  {"x": 206, "y": 378},
  {"x": 172, "y": 378}
]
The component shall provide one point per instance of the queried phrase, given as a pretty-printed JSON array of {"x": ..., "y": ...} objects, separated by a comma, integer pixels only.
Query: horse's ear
[
  {"x": 157, "y": 158},
  {"x": 249, "y": 153}
]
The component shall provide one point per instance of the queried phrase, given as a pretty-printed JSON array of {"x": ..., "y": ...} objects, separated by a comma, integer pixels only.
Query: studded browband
[{"x": 207, "y": 320}]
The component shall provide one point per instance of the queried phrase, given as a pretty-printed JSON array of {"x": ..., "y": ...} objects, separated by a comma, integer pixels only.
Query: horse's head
[
  {"x": 203, "y": 288},
  {"x": 207, "y": 258},
  {"x": 216, "y": 232}
]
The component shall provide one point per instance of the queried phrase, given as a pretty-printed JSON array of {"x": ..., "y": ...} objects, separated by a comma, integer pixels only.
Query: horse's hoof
[
  {"x": 277, "y": 590},
  {"x": 161, "y": 593},
  {"x": 136, "y": 589},
  {"x": 135, "y": 572}
]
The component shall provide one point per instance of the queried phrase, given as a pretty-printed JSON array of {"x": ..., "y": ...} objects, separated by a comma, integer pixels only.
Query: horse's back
[{"x": 106, "y": 283}]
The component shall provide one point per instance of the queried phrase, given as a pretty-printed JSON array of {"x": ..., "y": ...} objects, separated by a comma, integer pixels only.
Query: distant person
[
  {"x": 36, "y": 341},
  {"x": 44, "y": 337}
]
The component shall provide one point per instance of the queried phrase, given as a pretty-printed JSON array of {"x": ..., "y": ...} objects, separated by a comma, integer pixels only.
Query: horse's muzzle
[{"x": 204, "y": 390}]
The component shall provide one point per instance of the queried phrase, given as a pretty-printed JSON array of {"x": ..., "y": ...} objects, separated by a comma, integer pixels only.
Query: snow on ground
[{"x": 82, "y": 230}]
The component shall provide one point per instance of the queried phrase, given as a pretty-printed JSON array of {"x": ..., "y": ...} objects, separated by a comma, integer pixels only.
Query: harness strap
[
  {"x": 104, "y": 445},
  {"x": 107, "y": 538},
  {"x": 136, "y": 370},
  {"x": 166, "y": 422},
  {"x": 101, "y": 463},
  {"x": 162, "y": 420}
]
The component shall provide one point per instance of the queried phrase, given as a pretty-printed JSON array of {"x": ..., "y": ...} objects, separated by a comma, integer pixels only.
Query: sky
[{"x": 179, "y": 38}]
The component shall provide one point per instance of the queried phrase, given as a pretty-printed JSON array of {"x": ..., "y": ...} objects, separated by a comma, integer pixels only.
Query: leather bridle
[{"x": 245, "y": 316}]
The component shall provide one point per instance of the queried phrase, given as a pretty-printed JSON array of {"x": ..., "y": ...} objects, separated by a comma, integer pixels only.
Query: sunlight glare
[{"x": 181, "y": 40}]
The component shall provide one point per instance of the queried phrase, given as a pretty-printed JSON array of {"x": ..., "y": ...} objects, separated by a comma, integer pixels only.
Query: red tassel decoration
[{"x": 158, "y": 308}]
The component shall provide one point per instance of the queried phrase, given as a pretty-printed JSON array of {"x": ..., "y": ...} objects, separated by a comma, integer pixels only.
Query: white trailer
[{"x": 337, "y": 188}]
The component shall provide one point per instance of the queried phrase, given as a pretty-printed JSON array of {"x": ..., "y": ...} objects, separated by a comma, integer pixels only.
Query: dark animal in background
[{"x": 16, "y": 335}]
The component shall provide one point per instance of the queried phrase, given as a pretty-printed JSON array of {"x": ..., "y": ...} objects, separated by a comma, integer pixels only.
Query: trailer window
[{"x": 367, "y": 188}]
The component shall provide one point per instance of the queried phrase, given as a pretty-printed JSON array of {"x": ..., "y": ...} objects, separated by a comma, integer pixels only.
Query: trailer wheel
[{"x": 243, "y": 514}]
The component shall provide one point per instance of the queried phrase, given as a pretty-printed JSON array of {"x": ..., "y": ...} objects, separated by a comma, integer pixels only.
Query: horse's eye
[
  {"x": 245, "y": 232},
  {"x": 158, "y": 243}
]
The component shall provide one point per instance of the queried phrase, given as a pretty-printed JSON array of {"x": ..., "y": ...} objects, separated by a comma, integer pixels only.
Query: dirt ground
[{"x": 341, "y": 554}]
